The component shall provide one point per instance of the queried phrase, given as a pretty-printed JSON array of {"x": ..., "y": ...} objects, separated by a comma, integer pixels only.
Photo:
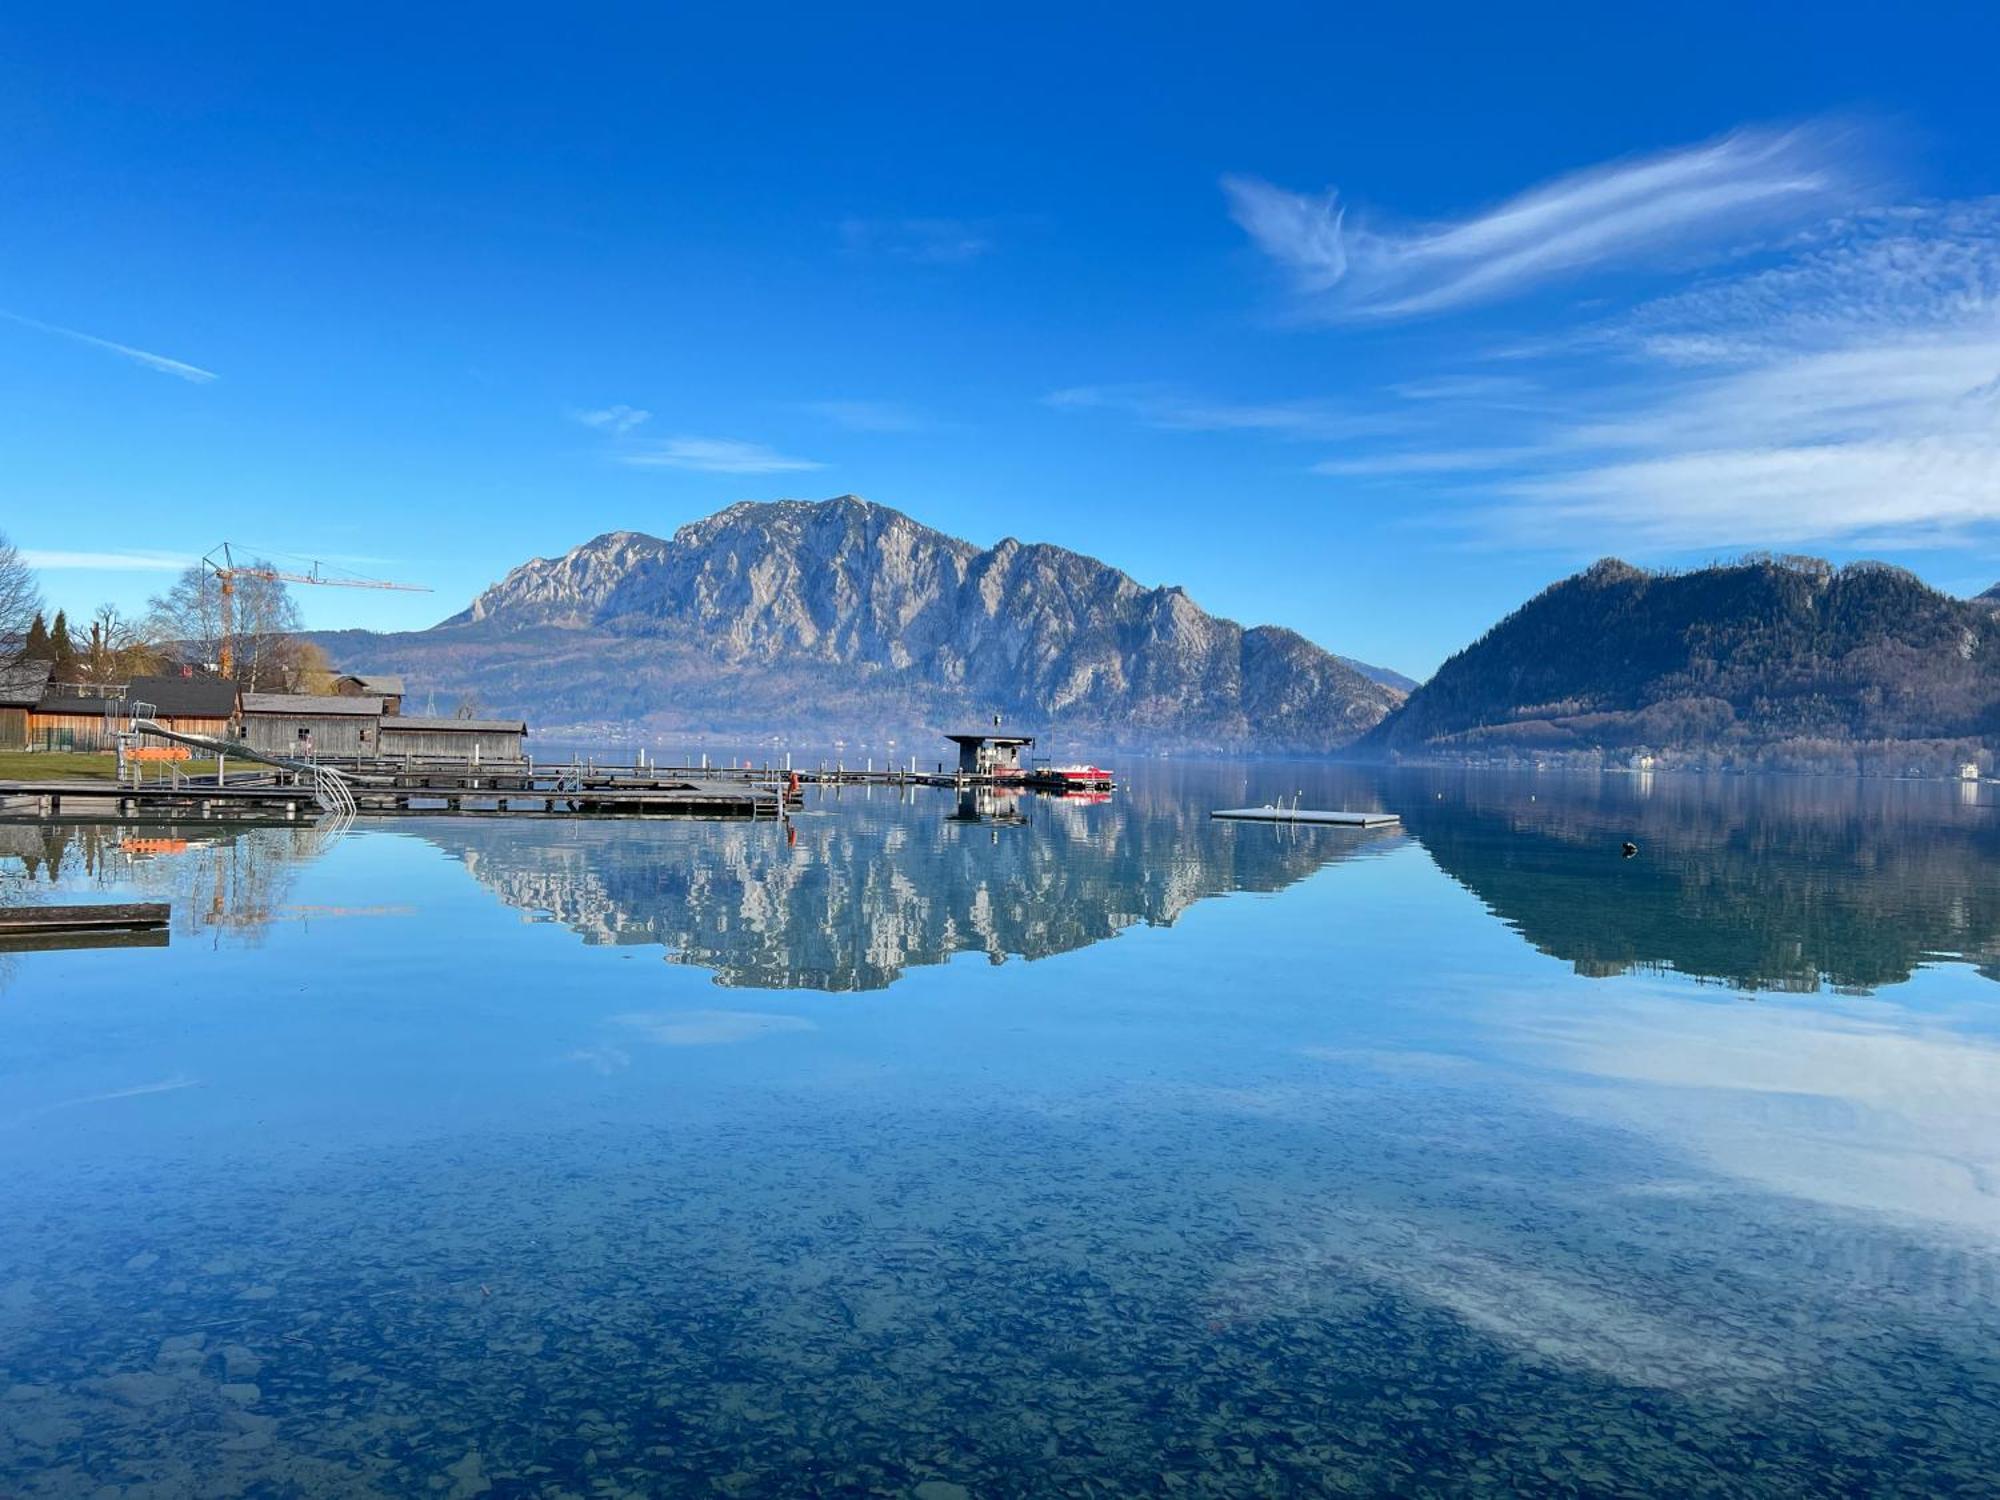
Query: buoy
[{"x": 1630, "y": 849}]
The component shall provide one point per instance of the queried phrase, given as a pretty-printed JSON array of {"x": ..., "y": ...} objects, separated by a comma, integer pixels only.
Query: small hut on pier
[{"x": 990, "y": 754}]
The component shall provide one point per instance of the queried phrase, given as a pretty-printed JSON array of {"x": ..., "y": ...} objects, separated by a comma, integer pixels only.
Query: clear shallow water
[{"x": 536, "y": 1158}]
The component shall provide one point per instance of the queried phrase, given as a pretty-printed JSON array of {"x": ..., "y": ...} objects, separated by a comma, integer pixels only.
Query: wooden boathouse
[
  {"x": 990, "y": 754},
  {"x": 453, "y": 739},
  {"x": 74, "y": 717},
  {"x": 310, "y": 725}
]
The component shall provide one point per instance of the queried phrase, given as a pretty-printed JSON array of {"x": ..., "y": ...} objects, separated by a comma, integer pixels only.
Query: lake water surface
[{"x": 937, "y": 1149}]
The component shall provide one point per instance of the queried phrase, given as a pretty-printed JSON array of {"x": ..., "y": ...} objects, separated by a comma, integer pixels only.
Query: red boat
[{"x": 1074, "y": 778}]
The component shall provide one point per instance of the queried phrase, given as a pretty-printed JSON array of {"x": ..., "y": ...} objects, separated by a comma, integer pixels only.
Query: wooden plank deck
[
  {"x": 1307, "y": 815},
  {"x": 97, "y": 916}
]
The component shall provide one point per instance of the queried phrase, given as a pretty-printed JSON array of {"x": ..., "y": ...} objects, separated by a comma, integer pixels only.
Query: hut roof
[
  {"x": 311, "y": 705},
  {"x": 466, "y": 726},
  {"x": 387, "y": 684},
  {"x": 198, "y": 697}
]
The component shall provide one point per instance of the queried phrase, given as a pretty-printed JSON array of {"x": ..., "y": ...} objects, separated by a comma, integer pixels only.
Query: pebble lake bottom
[{"x": 1064, "y": 1149}]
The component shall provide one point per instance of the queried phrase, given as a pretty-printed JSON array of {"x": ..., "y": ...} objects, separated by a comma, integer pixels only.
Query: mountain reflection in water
[
  {"x": 864, "y": 885},
  {"x": 1760, "y": 883}
]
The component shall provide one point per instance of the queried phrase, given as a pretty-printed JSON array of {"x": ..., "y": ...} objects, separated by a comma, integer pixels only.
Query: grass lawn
[{"x": 80, "y": 765}]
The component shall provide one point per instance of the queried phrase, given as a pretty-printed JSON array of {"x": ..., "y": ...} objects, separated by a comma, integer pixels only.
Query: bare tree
[
  {"x": 115, "y": 651},
  {"x": 468, "y": 706},
  {"x": 20, "y": 599},
  {"x": 187, "y": 618},
  {"x": 263, "y": 625}
]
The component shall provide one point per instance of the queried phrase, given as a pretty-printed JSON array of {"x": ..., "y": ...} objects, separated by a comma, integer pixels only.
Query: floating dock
[{"x": 1307, "y": 815}]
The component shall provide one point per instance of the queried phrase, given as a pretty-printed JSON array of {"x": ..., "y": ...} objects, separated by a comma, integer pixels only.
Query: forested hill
[{"x": 1767, "y": 661}]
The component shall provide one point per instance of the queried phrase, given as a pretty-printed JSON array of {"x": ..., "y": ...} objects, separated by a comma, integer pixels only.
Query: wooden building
[
  {"x": 383, "y": 685},
  {"x": 453, "y": 739},
  {"x": 311, "y": 725},
  {"x": 990, "y": 754},
  {"x": 21, "y": 688},
  {"x": 72, "y": 717}
]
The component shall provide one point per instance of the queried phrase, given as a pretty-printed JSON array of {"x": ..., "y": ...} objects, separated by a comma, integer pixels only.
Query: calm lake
[{"x": 1048, "y": 1147}]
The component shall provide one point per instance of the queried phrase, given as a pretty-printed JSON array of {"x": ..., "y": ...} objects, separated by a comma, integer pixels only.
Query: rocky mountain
[
  {"x": 853, "y": 618},
  {"x": 1769, "y": 661},
  {"x": 1990, "y": 599}
]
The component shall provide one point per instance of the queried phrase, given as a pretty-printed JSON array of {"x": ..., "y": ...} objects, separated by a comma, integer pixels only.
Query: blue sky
[{"x": 1366, "y": 324}]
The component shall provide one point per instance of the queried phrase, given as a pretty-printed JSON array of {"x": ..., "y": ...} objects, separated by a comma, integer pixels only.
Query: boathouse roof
[
  {"x": 311, "y": 705},
  {"x": 466, "y": 726},
  {"x": 384, "y": 684}
]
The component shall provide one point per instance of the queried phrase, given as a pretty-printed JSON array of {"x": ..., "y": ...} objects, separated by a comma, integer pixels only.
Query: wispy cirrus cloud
[
  {"x": 106, "y": 562},
  {"x": 1179, "y": 411},
  {"x": 177, "y": 368},
  {"x": 1849, "y": 394},
  {"x": 935, "y": 242},
  {"x": 867, "y": 416},
  {"x": 616, "y": 420},
  {"x": 714, "y": 456},
  {"x": 1647, "y": 211}
]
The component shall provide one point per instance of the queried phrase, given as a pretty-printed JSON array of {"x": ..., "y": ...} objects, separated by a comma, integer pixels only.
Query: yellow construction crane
[{"x": 227, "y": 571}]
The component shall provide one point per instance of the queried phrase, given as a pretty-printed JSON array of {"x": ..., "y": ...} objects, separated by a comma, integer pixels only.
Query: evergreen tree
[
  {"x": 37, "y": 647},
  {"x": 61, "y": 651}
]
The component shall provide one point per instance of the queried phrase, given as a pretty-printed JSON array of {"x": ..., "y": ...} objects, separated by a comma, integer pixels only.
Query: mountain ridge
[{"x": 846, "y": 615}]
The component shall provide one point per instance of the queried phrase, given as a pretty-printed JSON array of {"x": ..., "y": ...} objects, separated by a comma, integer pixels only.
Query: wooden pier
[
  {"x": 546, "y": 793},
  {"x": 35, "y": 929},
  {"x": 419, "y": 786}
]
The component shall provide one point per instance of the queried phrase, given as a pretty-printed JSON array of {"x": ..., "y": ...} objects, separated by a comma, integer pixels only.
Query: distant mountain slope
[
  {"x": 852, "y": 618},
  {"x": 1752, "y": 656},
  {"x": 1990, "y": 599}
]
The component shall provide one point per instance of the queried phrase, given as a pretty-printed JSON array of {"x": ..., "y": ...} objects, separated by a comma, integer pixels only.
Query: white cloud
[
  {"x": 1177, "y": 411},
  {"x": 616, "y": 420},
  {"x": 925, "y": 241},
  {"x": 106, "y": 562},
  {"x": 715, "y": 456},
  {"x": 160, "y": 362},
  {"x": 1620, "y": 214},
  {"x": 1850, "y": 394}
]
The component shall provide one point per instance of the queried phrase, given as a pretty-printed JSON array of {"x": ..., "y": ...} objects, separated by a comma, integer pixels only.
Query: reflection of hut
[
  {"x": 306, "y": 724},
  {"x": 454, "y": 739},
  {"x": 383, "y": 685},
  {"x": 990, "y": 754},
  {"x": 21, "y": 688}
]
